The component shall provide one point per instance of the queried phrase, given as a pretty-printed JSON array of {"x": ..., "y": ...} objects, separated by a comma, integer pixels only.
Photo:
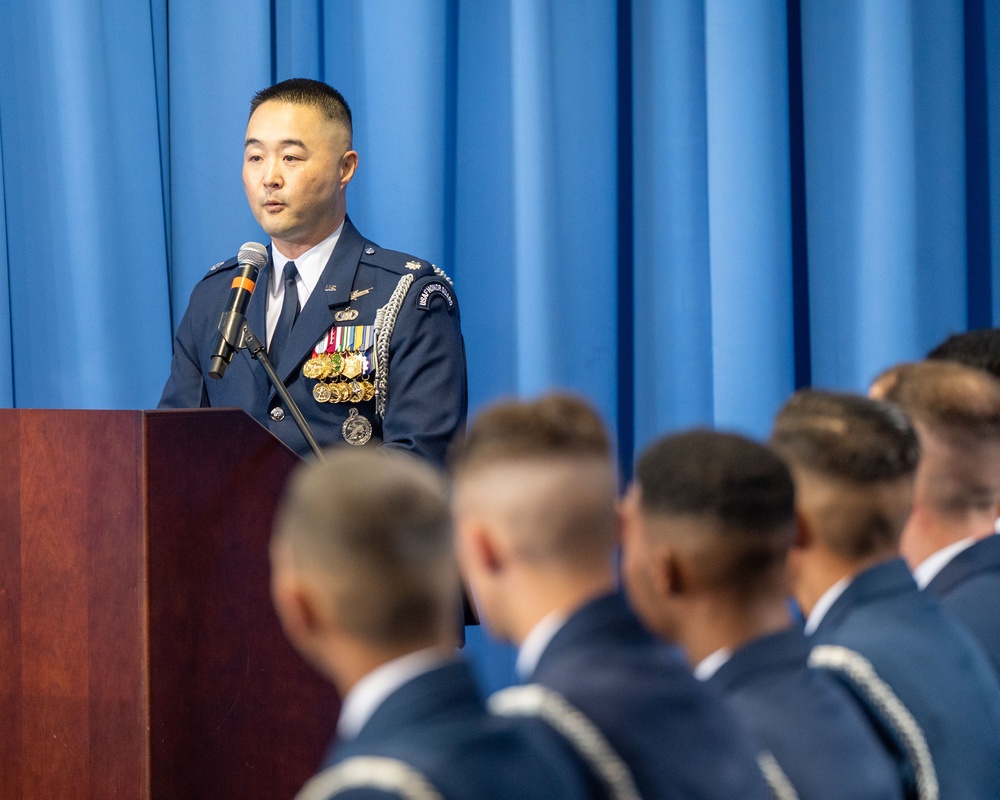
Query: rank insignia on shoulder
[
  {"x": 213, "y": 269},
  {"x": 430, "y": 290},
  {"x": 414, "y": 265}
]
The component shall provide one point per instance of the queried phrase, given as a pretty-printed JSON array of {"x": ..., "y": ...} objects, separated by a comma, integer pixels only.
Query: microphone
[{"x": 252, "y": 259}]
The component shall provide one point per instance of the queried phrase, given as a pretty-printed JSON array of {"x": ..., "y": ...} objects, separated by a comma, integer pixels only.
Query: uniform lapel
[{"x": 333, "y": 289}]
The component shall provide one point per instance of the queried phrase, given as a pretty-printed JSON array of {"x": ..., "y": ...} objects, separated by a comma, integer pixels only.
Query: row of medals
[{"x": 338, "y": 375}]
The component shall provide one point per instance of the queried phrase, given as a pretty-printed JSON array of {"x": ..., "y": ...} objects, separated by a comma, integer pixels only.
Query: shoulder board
[
  {"x": 394, "y": 261},
  {"x": 222, "y": 266}
]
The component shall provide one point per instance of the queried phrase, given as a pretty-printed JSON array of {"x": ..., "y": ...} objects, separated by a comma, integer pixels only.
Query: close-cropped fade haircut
[
  {"x": 741, "y": 488},
  {"x": 563, "y": 511},
  {"x": 555, "y": 425},
  {"x": 374, "y": 529},
  {"x": 979, "y": 349},
  {"x": 307, "y": 92},
  {"x": 949, "y": 397},
  {"x": 867, "y": 446},
  {"x": 846, "y": 436}
]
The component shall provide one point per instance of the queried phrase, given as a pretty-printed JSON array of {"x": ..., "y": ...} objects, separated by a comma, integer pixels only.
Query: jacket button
[{"x": 277, "y": 414}]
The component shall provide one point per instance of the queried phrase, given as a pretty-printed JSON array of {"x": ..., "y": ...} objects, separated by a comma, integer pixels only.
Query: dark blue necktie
[{"x": 289, "y": 313}]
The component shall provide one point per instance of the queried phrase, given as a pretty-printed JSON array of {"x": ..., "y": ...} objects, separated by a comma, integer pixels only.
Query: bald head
[
  {"x": 369, "y": 533},
  {"x": 543, "y": 472}
]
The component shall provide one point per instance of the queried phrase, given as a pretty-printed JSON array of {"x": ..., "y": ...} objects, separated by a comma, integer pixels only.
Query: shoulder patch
[
  {"x": 431, "y": 290},
  {"x": 222, "y": 266}
]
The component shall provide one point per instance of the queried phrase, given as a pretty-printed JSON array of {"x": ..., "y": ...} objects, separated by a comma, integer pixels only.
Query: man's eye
[{"x": 254, "y": 159}]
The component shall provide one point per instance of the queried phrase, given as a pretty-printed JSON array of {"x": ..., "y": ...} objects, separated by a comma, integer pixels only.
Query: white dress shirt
[
  {"x": 711, "y": 664},
  {"x": 928, "y": 569},
  {"x": 310, "y": 266},
  {"x": 536, "y": 641},
  {"x": 825, "y": 603},
  {"x": 372, "y": 690}
]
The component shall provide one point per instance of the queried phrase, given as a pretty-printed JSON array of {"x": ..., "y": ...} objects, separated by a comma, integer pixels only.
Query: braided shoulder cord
[
  {"x": 860, "y": 672},
  {"x": 534, "y": 700},
  {"x": 442, "y": 274},
  {"x": 385, "y": 322},
  {"x": 370, "y": 772},
  {"x": 776, "y": 778}
]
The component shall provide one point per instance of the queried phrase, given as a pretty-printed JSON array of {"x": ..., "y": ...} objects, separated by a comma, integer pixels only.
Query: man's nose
[{"x": 272, "y": 173}]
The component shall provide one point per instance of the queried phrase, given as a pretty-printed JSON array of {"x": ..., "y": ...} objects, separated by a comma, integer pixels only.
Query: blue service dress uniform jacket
[
  {"x": 676, "y": 737},
  {"x": 812, "y": 726},
  {"x": 437, "y": 724},
  {"x": 969, "y": 589},
  {"x": 419, "y": 369},
  {"x": 934, "y": 667}
]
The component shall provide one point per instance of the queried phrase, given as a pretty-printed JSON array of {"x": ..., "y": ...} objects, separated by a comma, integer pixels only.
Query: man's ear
[
  {"x": 804, "y": 536},
  {"x": 348, "y": 166},
  {"x": 627, "y": 513},
  {"x": 297, "y": 611},
  {"x": 669, "y": 575},
  {"x": 479, "y": 546}
]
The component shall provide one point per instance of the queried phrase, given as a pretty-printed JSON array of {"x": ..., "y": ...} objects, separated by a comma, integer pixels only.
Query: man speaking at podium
[{"x": 367, "y": 340}]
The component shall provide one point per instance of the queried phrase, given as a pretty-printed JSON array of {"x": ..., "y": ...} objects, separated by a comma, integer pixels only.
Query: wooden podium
[{"x": 140, "y": 656}]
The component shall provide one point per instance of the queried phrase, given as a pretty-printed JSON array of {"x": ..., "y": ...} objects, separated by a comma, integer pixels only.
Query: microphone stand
[{"x": 249, "y": 340}]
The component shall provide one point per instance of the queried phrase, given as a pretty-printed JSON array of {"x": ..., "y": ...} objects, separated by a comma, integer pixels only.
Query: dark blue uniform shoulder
[
  {"x": 222, "y": 266},
  {"x": 396, "y": 262}
]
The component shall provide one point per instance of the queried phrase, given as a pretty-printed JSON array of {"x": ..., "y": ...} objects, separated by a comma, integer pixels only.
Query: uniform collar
[
  {"x": 536, "y": 641},
  {"x": 825, "y": 603},
  {"x": 711, "y": 664},
  {"x": 929, "y": 568},
  {"x": 364, "y": 699},
  {"x": 310, "y": 265}
]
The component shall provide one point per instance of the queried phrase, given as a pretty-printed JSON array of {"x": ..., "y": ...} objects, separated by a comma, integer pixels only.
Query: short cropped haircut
[
  {"x": 727, "y": 479},
  {"x": 556, "y": 425},
  {"x": 846, "y": 436},
  {"x": 867, "y": 445},
  {"x": 945, "y": 395},
  {"x": 740, "y": 482},
  {"x": 568, "y": 514},
  {"x": 307, "y": 92},
  {"x": 979, "y": 349},
  {"x": 375, "y": 528}
]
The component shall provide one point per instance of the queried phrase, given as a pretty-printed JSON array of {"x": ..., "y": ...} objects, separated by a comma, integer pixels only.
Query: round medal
[
  {"x": 356, "y": 429},
  {"x": 321, "y": 393},
  {"x": 313, "y": 368}
]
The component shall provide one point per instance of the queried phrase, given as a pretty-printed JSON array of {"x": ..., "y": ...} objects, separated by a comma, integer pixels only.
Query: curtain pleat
[{"x": 490, "y": 139}]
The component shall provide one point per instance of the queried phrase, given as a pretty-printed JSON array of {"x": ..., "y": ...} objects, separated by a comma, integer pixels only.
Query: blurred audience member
[
  {"x": 978, "y": 348},
  {"x": 853, "y": 460},
  {"x": 949, "y": 539},
  {"x": 365, "y": 583},
  {"x": 535, "y": 504},
  {"x": 709, "y": 522}
]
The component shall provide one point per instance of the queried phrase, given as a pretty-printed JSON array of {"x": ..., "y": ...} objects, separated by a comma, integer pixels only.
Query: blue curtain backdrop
[{"x": 682, "y": 209}]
